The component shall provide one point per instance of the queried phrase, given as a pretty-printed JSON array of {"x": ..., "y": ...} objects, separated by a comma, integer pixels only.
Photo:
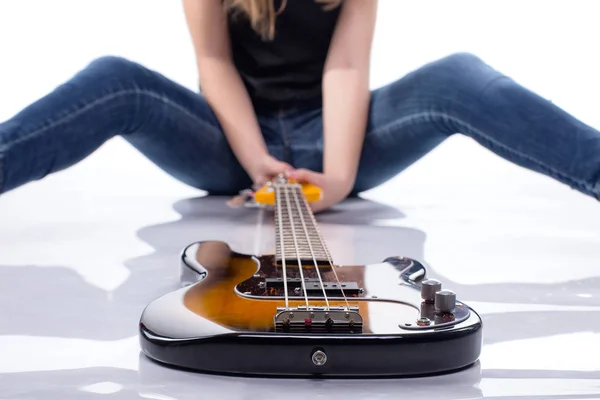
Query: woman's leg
[
  {"x": 171, "y": 125},
  {"x": 461, "y": 94}
]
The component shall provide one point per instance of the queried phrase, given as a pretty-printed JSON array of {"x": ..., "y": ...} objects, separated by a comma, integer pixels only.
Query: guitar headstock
[{"x": 266, "y": 194}]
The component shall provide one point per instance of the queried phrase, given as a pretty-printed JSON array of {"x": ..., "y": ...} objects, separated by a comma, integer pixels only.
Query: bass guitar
[{"x": 298, "y": 313}]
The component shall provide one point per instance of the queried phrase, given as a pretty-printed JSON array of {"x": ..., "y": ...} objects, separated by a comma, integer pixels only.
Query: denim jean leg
[
  {"x": 171, "y": 125},
  {"x": 462, "y": 94},
  {"x": 532, "y": 132},
  {"x": 66, "y": 125}
]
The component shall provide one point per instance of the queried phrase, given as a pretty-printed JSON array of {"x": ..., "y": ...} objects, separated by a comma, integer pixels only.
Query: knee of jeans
[
  {"x": 110, "y": 63},
  {"x": 459, "y": 65},
  {"x": 461, "y": 72},
  {"x": 460, "y": 60},
  {"x": 114, "y": 68}
]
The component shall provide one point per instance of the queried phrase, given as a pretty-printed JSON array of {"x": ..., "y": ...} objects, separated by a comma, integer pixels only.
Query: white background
[{"x": 83, "y": 251}]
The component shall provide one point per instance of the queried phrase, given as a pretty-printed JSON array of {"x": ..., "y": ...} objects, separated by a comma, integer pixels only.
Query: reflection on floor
[{"x": 82, "y": 252}]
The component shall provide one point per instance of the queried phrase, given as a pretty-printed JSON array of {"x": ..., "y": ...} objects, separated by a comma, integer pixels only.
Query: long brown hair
[{"x": 262, "y": 13}]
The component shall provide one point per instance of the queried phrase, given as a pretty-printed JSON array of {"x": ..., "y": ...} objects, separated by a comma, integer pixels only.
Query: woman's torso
[{"x": 287, "y": 71}]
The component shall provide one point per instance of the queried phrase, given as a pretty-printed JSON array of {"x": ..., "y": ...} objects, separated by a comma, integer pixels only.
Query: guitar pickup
[{"x": 315, "y": 288}]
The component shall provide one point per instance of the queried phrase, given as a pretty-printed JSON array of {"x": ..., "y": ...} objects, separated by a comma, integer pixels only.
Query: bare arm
[
  {"x": 346, "y": 91},
  {"x": 346, "y": 97},
  {"x": 223, "y": 87}
]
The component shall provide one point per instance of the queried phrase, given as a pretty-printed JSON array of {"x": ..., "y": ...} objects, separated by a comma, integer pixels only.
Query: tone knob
[
  {"x": 445, "y": 301},
  {"x": 429, "y": 288}
]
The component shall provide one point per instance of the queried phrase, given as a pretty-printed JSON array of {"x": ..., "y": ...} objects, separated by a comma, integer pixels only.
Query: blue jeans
[{"x": 176, "y": 129}]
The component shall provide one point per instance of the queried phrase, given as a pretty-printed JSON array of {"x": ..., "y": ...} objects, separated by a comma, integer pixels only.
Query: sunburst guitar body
[{"x": 297, "y": 313}]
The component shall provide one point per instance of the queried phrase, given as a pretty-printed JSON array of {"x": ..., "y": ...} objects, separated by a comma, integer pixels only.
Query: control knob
[
  {"x": 429, "y": 288},
  {"x": 445, "y": 301}
]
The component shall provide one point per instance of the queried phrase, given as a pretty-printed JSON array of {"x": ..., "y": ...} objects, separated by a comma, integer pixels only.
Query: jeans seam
[
  {"x": 482, "y": 135},
  {"x": 96, "y": 102},
  {"x": 287, "y": 151}
]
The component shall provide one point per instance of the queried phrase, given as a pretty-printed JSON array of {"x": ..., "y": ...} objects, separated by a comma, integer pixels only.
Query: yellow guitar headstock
[{"x": 266, "y": 194}]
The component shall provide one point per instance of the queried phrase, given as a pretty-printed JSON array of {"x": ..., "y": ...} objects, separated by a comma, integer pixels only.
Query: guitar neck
[{"x": 297, "y": 235}]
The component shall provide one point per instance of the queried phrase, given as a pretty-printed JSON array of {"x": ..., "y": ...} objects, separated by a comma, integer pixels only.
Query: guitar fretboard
[{"x": 297, "y": 234}]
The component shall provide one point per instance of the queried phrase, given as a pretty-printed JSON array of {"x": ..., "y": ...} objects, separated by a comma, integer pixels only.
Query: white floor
[{"x": 83, "y": 251}]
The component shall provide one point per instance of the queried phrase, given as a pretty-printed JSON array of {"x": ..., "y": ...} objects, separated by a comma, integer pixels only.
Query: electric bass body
[{"x": 297, "y": 313}]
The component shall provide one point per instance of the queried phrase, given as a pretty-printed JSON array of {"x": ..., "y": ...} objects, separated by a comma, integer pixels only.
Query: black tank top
[{"x": 285, "y": 72}]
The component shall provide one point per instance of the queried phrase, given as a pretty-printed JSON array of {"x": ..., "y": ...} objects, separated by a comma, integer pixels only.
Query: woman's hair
[{"x": 262, "y": 13}]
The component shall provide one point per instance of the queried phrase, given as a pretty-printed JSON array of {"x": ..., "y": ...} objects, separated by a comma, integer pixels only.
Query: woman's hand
[
  {"x": 265, "y": 169},
  {"x": 333, "y": 189}
]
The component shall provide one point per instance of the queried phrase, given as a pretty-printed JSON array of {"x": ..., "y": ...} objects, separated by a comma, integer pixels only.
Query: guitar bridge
[{"x": 319, "y": 319}]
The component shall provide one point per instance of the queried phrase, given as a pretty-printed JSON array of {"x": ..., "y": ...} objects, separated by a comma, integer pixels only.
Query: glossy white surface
[{"x": 83, "y": 251}]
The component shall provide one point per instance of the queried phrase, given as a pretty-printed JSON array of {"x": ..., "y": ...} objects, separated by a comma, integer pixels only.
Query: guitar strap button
[{"x": 319, "y": 358}]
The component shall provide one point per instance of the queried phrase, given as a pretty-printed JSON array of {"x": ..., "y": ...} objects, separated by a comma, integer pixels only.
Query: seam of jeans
[
  {"x": 98, "y": 101},
  {"x": 482, "y": 135},
  {"x": 287, "y": 150}
]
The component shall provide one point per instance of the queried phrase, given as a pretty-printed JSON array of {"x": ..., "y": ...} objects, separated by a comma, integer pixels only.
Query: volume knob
[
  {"x": 429, "y": 288},
  {"x": 445, "y": 301}
]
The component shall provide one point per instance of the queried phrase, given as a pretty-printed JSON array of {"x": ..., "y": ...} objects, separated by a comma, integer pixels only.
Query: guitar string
[
  {"x": 327, "y": 254},
  {"x": 281, "y": 247},
  {"x": 293, "y": 226},
  {"x": 308, "y": 240}
]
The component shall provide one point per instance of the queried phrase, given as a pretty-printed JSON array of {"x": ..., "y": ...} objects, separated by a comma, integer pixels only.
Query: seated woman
[{"x": 285, "y": 89}]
